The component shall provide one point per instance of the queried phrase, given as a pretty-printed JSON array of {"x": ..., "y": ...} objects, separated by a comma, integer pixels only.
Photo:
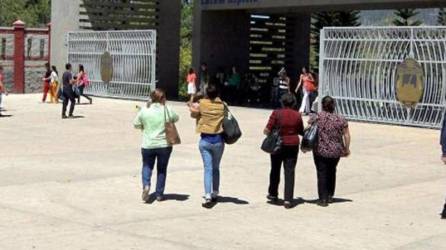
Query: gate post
[
  {"x": 19, "y": 56},
  {"x": 49, "y": 43}
]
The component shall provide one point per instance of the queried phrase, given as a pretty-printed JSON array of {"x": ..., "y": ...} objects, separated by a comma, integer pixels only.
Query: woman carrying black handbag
[
  {"x": 290, "y": 125},
  {"x": 333, "y": 142}
]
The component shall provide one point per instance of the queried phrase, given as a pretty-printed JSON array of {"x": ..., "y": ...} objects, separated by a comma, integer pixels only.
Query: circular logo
[
  {"x": 409, "y": 82},
  {"x": 106, "y": 67}
]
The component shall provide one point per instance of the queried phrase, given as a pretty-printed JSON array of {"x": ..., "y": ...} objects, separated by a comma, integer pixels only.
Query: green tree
[
  {"x": 328, "y": 19},
  {"x": 186, "y": 45},
  {"x": 35, "y": 13},
  {"x": 442, "y": 17},
  {"x": 406, "y": 17}
]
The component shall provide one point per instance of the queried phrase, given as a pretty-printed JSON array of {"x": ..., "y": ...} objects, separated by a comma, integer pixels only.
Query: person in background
[
  {"x": 191, "y": 80},
  {"x": 306, "y": 81},
  {"x": 151, "y": 120},
  {"x": 54, "y": 85},
  {"x": 82, "y": 83},
  {"x": 46, "y": 82},
  {"x": 233, "y": 86},
  {"x": 2, "y": 89},
  {"x": 333, "y": 143},
  {"x": 284, "y": 84},
  {"x": 443, "y": 156},
  {"x": 204, "y": 77},
  {"x": 67, "y": 92},
  {"x": 291, "y": 126},
  {"x": 209, "y": 115}
]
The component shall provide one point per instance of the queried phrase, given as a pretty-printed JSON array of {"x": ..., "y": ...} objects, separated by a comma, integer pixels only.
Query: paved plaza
[{"x": 75, "y": 184}]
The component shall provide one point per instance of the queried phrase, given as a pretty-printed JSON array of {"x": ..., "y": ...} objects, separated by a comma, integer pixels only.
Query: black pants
[
  {"x": 68, "y": 95},
  {"x": 287, "y": 156},
  {"x": 81, "y": 91},
  {"x": 326, "y": 176}
]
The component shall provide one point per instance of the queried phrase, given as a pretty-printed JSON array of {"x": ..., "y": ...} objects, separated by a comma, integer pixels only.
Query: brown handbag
[{"x": 172, "y": 136}]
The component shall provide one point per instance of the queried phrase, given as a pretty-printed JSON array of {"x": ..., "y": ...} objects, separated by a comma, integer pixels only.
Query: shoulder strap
[{"x": 166, "y": 114}]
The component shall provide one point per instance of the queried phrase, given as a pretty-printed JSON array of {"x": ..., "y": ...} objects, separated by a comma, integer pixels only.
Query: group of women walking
[
  {"x": 52, "y": 86},
  {"x": 209, "y": 112}
]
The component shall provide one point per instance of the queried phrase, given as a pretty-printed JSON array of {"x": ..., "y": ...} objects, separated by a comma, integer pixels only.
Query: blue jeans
[
  {"x": 162, "y": 156},
  {"x": 211, "y": 155}
]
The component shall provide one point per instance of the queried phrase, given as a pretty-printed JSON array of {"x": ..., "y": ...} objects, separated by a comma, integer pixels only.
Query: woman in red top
[
  {"x": 191, "y": 84},
  {"x": 291, "y": 126},
  {"x": 309, "y": 86}
]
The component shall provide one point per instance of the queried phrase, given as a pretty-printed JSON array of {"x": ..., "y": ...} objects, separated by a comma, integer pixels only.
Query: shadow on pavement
[
  {"x": 3, "y": 116},
  {"x": 296, "y": 202},
  {"x": 226, "y": 199},
  {"x": 335, "y": 200},
  {"x": 169, "y": 197}
]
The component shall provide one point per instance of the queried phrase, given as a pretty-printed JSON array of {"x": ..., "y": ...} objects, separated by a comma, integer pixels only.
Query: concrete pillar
[
  {"x": 64, "y": 18},
  {"x": 168, "y": 36},
  {"x": 19, "y": 56},
  {"x": 298, "y": 51},
  {"x": 223, "y": 40},
  {"x": 49, "y": 43}
]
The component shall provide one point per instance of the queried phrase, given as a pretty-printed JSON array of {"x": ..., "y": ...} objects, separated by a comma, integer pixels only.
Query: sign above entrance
[
  {"x": 235, "y": 2},
  {"x": 306, "y": 4}
]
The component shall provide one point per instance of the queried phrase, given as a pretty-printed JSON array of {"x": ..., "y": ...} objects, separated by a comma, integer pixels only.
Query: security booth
[{"x": 259, "y": 37}]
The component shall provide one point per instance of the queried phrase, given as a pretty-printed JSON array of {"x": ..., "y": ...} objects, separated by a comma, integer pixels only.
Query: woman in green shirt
[{"x": 152, "y": 121}]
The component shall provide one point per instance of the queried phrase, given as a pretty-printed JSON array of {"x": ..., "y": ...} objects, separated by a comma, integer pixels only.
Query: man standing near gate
[
  {"x": 67, "y": 92},
  {"x": 443, "y": 157}
]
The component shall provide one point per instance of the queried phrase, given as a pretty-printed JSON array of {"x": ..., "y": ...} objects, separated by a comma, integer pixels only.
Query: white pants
[{"x": 305, "y": 105}]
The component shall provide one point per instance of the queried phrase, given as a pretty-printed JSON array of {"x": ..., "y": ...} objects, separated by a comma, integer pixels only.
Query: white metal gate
[
  {"x": 357, "y": 67},
  {"x": 133, "y": 57}
]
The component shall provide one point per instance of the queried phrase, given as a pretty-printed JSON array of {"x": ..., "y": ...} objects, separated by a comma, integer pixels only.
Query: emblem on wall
[
  {"x": 106, "y": 67},
  {"x": 409, "y": 83}
]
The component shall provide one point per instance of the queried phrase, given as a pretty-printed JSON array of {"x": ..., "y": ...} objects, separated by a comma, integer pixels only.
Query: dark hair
[
  {"x": 54, "y": 69},
  {"x": 47, "y": 65},
  {"x": 328, "y": 104},
  {"x": 198, "y": 96},
  {"x": 81, "y": 68},
  {"x": 288, "y": 100},
  {"x": 212, "y": 91},
  {"x": 191, "y": 70},
  {"x": 158, "y": 96},
  {"x": 68, "y": 66}
]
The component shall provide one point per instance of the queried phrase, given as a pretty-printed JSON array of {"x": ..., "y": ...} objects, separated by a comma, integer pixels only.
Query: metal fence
[
  {"x": 358, "y": 68},
  {"x": 133, "y": 57}
]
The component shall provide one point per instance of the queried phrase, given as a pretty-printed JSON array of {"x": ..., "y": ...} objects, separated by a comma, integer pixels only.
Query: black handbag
[
  {"x": 231, "y": 129},
  {"x": 310, "y": 138},
  {"x": 272, "y": 144}
]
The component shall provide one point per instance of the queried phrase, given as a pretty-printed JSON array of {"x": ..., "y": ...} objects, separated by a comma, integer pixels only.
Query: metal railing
[
  {"x": 358, "y": 68},
  {"x": 133, "y": 57}
]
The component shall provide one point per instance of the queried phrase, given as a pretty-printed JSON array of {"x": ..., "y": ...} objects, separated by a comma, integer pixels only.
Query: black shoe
[
  {"x": 71, "y": 116},
  {"x": 322, "y": 203},
  {"x": 214, "y": 199},
  {"x": 287, "y": 205},
  {"x": 443, "y": 214},
  {"x": 159, "y": 198},
  {"x": 64, "y": 117},
  {"x": 330, "y": 199},
  {"x": 272, "y": 198},
  {"x": 207, "y": 203}
]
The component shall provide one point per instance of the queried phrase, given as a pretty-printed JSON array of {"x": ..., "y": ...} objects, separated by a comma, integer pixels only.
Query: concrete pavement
[{"x": 75, "y": 184}]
